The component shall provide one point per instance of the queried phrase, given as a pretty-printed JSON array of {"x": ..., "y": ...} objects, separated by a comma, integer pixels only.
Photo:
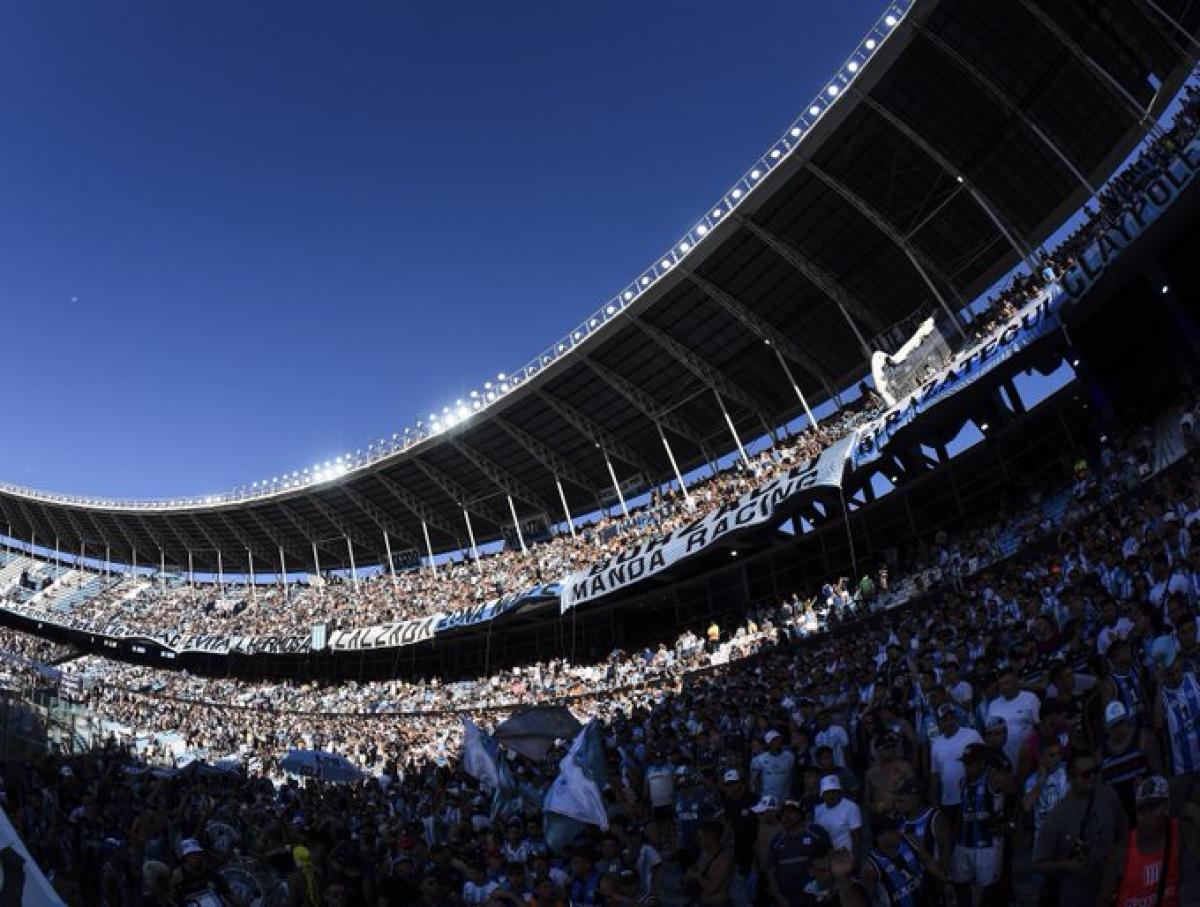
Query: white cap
[
  {"x": 732, "y": 775},
  {"x": 766, "y": 803},
  {"x": 189, "y": 846},
  {"x": 771, "y": 735},
  {"x": 1115, "y": 712},
  {"x": 831, "y": 782}
]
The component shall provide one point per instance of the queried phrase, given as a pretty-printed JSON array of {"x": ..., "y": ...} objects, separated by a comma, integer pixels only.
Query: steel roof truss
[
  {"x": 645, "y": 403},
  {"x": 457, "y": 493},
  {"x": 500, "y": 477},
  {"x": 345, "y": 528},
  {"x": 819, "y": 278},
  {"x": 416, "y": 506},
  {"x": 704, "y": 370},
  {"x": 763, "y": 329},
  {"x": 557, "y": 465},
  {"x": 377, "y": 516},
  {"x": 596, "y": 433}
]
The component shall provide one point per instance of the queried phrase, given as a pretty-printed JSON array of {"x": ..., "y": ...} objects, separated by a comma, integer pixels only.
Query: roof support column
[
  {"x": 56, "y": 558},
  {"x": 220, "y": 571},
  {"x": 512, "y": 508},
  {"x": 1175, "y": 24},
  {"x": 566, "y": 510},
  {"x": 1140, "y": 116},
  {"x": 858, "y": 334},
  {"x": 191, "y": 572},
  {"x": 107, "y": 560},
  {"x": 316, "y": 558},
  {"x": 282, "y": 571},
  {"x": 133, "y": 567},
  {"x": 1007, "y": 102},
  {"x": 687, "y": 495},
  {"x": 733, "y": 431},
  {"x": 353, "y": 567},
  {"x": 612, "y": 474},
  {"x": 890, "y": 231},
  {"x": 162, "y": 564},
  {"x": 250, "y": 576},
  {"x": 471, "y": 536},
  {"x": 387, "y": 546},
  {"x": 812, "y": 420},
  {"x": 428, "y": 548}
]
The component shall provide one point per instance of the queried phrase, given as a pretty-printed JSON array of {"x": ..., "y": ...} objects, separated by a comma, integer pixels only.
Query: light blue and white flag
[
  {"x": 576, "y": 797},
  {"x": 480, "y": 755},
  {"x": 482, "y": 760}
]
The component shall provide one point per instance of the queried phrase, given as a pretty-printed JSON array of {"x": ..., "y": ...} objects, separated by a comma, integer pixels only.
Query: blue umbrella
[{"x": 320, "y": 765}]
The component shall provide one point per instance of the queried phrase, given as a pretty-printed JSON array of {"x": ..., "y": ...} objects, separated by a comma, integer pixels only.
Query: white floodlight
[
  {"x": 814, "y": 110},
  {"x": 890, "y": 21},
  {"x": 832, "y": 90},
  {"x": 852, "y": 66},
  {"x": 795, "y": 132},
  {"x": 870, "y": 45}
]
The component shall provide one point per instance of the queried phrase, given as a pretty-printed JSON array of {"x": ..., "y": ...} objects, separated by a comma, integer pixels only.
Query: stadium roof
[{"x": 956, "y": 137}]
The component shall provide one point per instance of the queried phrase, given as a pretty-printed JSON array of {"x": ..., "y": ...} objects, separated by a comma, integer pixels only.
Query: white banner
[
  {"x": 385, "y": 636},
  {"x": 752, "y": 509}
]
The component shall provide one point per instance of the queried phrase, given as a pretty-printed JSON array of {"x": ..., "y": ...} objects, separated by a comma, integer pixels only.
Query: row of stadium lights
[{"x": 477, "y": 400}]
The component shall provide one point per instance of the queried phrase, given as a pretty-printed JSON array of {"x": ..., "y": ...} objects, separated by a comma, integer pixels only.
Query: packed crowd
[
  {"x": 1038, "y": 707},
  {"x": 143, "y": 605}
]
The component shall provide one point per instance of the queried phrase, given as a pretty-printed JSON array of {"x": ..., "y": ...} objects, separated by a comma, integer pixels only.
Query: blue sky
[{"x": 240, "y": 238}]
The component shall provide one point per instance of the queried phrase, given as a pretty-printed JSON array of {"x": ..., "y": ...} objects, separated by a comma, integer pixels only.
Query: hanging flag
[{"x": 576, "y": 797}]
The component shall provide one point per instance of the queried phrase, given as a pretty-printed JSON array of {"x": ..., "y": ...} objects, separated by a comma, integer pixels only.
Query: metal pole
[
  {"x": 687, "y": 495},
  {"x": 471, "y": 535},
  {"x": 220, "y": 572},
  {"x": 162, "y": 564},
  {"x": 812, "y": 420},
  {"x": 191, "y": 573},
  {"x": 428, "y": 548},
  {"x": 107, "y": 562},
  {"x": 612, "y": 474},
  {"x": 566, "y": 510},
  {"x": 1173, "y": 23},
  {"x": 133, "y": 569},
  {"x": 282, "y": 571},
  {"x": 387, "y": 544},
  {"x": 250, "y": 576},
  {"x": 1022, "y": 250},
  {"x": 732, "y": 430},
  {"x": 353, "y": 568},
  {"x": 316, "y": 559},
  {"x": 512, "y": 508}
]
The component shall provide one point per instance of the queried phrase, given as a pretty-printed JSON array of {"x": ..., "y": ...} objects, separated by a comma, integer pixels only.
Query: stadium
[{"x": 843, "y": 555}]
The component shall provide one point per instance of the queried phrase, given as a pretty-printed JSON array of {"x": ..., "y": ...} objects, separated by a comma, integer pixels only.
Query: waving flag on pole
[
  {"x": 576, "y": 797},
  {"x": 480, "y": 755},
  {"x": 481, "y": 759}
]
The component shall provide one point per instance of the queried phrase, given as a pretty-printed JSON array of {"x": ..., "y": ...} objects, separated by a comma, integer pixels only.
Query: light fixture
[
  {"x": 852, "y": 66},
  {"x": 664, "y": 263},
  {"x": 890, "y": 21},
  {"x": 832, "y": 90},
  {"x": 775, "y": 154},
  {"x": 1164, "y": 289},
  {"x": 1075, "y": 362},
  {"x": 983, "y": 426},
  {"x": 755, "y": 174},
  {"x": 717, "y": 212},
  {"x": 870, "y": 44},
  {"x": 814, "y": 110},
  {"x": 702, "y": 230},
  {"x": 645, "y": 281},
  {"x": 736, "y": 193},
  {"x": 795, "y": 132}
]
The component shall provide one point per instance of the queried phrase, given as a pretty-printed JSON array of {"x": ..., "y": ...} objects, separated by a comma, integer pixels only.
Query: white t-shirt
[
  {"x": 962, "y": 692},
  {"x": 839, "y": 821},
  {"x": 660, "y": 784},
  {"x": 944, "y": 753},
  {"x": 1022, "y": 712},
  {"x": 836, "y": 738},
  {"x": 773, "y": 773}
]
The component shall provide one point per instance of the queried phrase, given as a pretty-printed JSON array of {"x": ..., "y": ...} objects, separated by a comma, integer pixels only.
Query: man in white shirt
[
  {"x": 945, "y": 757},
  {"x": 1020, "y": 709},
  {"x": 840, "y": 817},
  {"x": 833, "y": 736},
  {"x": 771, "y": 771}
]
